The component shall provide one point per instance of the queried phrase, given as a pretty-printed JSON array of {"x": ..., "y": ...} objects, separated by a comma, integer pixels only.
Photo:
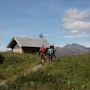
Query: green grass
[
  {"x": 65, "y": 73},
  {"x": 15, "y": 63}
]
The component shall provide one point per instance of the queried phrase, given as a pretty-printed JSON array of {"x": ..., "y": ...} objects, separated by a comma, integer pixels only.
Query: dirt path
[{"x": 35, "y": 68}]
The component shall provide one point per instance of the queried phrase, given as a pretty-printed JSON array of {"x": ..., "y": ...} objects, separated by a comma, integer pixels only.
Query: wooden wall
[{"x": 17, "y": 49}]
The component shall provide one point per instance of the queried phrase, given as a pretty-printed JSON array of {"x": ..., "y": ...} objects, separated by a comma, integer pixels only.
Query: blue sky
[{"x": 60, "y": 21}]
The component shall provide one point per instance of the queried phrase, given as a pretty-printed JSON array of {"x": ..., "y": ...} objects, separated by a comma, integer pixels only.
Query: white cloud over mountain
[
  {"x": 75, "y": 21},
  {"x": 75, "y": 36}
]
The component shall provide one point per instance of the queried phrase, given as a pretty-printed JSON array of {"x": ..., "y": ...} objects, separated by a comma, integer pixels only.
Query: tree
[{"x": 41, "y": 35}]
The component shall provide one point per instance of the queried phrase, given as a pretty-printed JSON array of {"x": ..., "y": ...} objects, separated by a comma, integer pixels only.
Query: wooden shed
[{"x": 27, "y": 44}]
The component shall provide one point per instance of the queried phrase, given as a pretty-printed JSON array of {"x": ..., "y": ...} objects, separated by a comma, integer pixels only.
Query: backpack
[
  {"x": 43, "y": 50},
  {"x": 50, "y": 51}
]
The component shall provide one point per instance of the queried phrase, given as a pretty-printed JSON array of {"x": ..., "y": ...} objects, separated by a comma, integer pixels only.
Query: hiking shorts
[
  {"x": 50, "y": 57},
  {"x": 42, "y": 55}
]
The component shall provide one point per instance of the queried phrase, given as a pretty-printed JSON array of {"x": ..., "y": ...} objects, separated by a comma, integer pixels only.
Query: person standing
[
  {"x": 50, "y": 53},
  {"x": 43, "y": 53},
  {"x": 54, "y": 51}
]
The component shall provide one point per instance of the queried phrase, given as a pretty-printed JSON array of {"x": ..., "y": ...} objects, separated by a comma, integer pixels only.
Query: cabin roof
[{"x": 28, "y": 42}]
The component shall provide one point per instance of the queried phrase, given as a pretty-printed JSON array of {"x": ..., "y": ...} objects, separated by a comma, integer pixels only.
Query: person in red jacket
[{"x": 43, "y": 54}]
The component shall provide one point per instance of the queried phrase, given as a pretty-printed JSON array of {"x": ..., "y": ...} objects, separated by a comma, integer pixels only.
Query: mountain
[
  {"x": 71, "y": 49},
  {"x": 89, "y": 49}
]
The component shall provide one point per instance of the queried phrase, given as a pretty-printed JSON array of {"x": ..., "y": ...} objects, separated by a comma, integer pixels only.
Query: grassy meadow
[
  {"x": 64, "y": 73},
  {"x": 15, "y": 63}
]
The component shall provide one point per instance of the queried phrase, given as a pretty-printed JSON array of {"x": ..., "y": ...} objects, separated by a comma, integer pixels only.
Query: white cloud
[
  {"x": 75, "y": 31},
  {"x": 74, "y": 36},
  {"x": 73, "y": 21},
  {"x": 79, "y": 25},
  {"x": 74, "y": 14}
]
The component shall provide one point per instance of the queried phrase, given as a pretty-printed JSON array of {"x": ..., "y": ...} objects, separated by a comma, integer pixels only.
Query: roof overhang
[{"x": 12, "y": 43}]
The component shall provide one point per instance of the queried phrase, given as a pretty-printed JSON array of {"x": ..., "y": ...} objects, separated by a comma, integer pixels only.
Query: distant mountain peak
[
  {"x": 72, "y": 49},
  {"x": 73, "y": 45}
]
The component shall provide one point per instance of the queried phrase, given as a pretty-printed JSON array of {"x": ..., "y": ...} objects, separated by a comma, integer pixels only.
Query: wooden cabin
[{"x": 27, "y": 44}]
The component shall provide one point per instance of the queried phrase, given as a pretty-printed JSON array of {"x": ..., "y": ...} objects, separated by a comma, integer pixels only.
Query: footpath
[{"x": 35, "y": 68}]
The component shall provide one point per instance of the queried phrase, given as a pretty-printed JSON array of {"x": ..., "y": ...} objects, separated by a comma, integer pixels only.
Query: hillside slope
[
  {"x": 15, "y": 64},
  {"x": 65, "y": 73}
]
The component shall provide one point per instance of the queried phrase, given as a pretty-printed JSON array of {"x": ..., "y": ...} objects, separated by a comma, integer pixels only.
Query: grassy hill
[
  {"x": 14, "y": 64},
  {"x": 65, "y": 73}
]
